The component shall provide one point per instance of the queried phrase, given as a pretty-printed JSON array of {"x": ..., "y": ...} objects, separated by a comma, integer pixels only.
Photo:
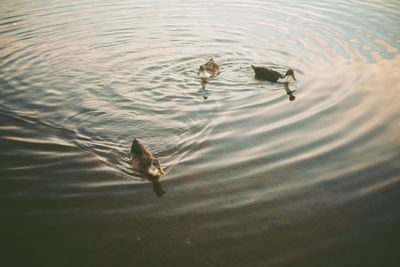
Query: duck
[
  {"x": 144, "y": 161},
  {"x": 272, "y": 75},
  {"x": 208, "y": 70}
]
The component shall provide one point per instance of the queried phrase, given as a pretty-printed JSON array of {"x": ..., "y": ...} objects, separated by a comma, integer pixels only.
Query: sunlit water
[{"x": 257, "y": 174}]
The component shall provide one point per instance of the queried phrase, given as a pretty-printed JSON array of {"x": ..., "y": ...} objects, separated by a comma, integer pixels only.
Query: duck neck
[{"x": 283, "y": 79}]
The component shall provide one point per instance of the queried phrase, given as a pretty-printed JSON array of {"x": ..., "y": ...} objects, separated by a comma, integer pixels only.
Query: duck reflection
[
  {"x": 157, "y": 187},
  {"x": 155, "y": 181},
  {"x": 289, "y": 92},
  {"x": 204, "y": 83},
  {"x": 202, "y": 92}
]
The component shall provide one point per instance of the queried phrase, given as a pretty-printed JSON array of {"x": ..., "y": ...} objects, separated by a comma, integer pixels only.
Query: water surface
[{"x": 258, "y": 174}]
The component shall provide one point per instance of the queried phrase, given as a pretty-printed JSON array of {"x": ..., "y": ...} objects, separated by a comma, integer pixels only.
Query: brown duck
[
  {"x": 208, "y": 70},
  {"x": 144, "y": 161}
]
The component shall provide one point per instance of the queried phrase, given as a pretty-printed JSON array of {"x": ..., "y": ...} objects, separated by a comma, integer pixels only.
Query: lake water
[{"x": 256, "y": 174}]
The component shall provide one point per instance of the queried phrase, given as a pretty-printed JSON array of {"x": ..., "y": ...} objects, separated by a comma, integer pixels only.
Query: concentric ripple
[{"x": 250, "y": 164}]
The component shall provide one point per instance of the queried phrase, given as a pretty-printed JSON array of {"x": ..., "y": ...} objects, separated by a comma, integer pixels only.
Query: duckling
[
  {"x": 273, "y": 76},
  {"x": 208, "y": 70},
  {"x": 144, "y": 161}
]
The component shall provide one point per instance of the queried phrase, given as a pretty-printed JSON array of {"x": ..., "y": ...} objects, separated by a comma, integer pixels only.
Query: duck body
[
  {"x": 208, "y": 70},
  {"x": 267, "y": 74},
  {"x": 144, "y": 161}
]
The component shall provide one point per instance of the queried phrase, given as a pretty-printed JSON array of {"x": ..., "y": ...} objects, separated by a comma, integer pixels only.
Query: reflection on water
[
  {"x": 157, "y": 188},
  {"x": 204, "y": 83},
  {"x": 289, "y": 92},
  {"x": 258, "y": 173}
]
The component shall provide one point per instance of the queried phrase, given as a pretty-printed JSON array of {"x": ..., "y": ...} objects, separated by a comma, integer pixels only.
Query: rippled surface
[{"x": 253, "y": 179}]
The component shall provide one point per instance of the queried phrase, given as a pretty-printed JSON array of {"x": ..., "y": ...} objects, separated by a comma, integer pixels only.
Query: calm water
[{"x": 253, "y": 179}]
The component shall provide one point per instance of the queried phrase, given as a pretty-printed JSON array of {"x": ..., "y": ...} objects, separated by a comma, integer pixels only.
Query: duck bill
[
  {"x": 160, "y": 170},
  {"x": 294, "y": 78}
]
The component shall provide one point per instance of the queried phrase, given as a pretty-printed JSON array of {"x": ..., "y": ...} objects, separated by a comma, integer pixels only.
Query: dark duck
[
  {"x": 143, "y": 160},
  {"x": 272, "y": 75}
]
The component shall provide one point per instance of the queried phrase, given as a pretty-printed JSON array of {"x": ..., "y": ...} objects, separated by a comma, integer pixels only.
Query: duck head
[
  {"x": 290, "y": 73},
  {"x": 145, "y": 159},
  {"x": 155, "y": 168},
  {"x": 211, "y": 61}
]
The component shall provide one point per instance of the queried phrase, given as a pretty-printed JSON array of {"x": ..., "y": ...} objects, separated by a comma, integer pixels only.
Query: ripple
[{"x": 80, "y": 80}]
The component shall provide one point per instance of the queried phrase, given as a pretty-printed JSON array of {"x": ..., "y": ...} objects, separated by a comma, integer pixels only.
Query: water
[{"x": 253, "y": 178}]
